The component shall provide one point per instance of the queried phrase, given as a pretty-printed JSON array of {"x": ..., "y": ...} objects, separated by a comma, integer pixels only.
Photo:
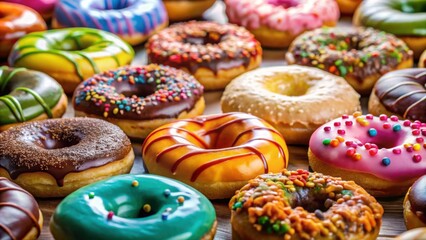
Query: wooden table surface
[{"x": 393, "y": 223}]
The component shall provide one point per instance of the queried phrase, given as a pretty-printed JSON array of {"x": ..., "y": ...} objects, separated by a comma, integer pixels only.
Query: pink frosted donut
[
  {"x": 275, "y": 23},
  {"x": 383, "y": 154},
  {"x": 44, "y": 7}
]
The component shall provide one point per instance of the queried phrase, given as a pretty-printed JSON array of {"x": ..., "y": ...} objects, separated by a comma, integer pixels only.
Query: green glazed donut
[
  {"x": 28, "y": 95},
  {"x": 400, "y": 17},
  {"x": 134, "y": 207}
]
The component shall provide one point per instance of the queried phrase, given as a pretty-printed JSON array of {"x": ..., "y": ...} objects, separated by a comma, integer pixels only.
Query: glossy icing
[
  {"x": 385, "y": 147},
  {"x": 138, "y": 93},
  {"x": 417, "y": 198},
  {"x": 207, "y": 149},
  {"x": 134, "y": 207},
  {"x": 400, "y": 17},
  {"x": 121, "y": 17},
  {"x": 294, "y": 16},
  {"x": 44, "y": 7},
  {"x": 19, "y": 211},
  {"x": 26, "y": 94},
  {"x": 82, "y": 51}
]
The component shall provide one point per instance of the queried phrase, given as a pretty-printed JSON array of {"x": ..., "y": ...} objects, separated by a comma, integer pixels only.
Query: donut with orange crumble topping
[
  {"x": 303, "y": 205},
  {"x": 52, "y": 158},
  {"x": 216, "y": 154},
  {"x": 382, "y": 154},
  {"x": 140, "y": 98},
  {"x": 214, "y": 53}
]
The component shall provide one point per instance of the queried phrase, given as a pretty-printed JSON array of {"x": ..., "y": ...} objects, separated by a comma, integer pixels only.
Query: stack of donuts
[{"x": 141, "y": 129}]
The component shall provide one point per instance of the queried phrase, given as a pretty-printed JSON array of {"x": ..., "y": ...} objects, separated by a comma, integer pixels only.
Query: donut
[
  {"x": 415, "y": 205},
  {"x": 21, "y": 216},
  {"x": 422, "y": 61},
  {"x": 361, "y": 56},
  {"x": 135, "y": 207},
  {"x": 413, "y": 234},
  {"x": 132, "y": 20},
  {"x": 403, "y": 18},
  {"x": 27, "y": 95},
  {"x": 43, "y": 7},
  {"x": 296, "y": 100},
  {"x": 54, "y": 157},
  {"x": 141, "y": 98},
  {"x": 401, "y": 93},
  {"x": 216, "y": 154},
  {"x": 214, "y": 53},
  {"x": 303, "y": 205},
  {"x": 180, "y": 10},
  {"x": 71, "y": 55},
  {"x": 348, "y": 6},
  {"x": 15, "y": 22},
  {"x": 383, "y": 154},
  {"x": 276, "y": 23}
]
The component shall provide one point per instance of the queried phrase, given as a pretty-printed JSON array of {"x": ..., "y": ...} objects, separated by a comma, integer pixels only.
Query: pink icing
[
  {"x": 44, "y": 7},
  {"x": 294, "y": 16},
  {"x": 384, "y": 151}
]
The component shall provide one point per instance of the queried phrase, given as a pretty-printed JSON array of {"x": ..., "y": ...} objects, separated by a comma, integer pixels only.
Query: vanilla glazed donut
[
  {"x": 415, "y": 205},
  {"x": 52, "y": 158},
  {"x": 139, "y": 99},
  {"x": 216, "y": 154},
  {"x": 179, "y": 10},
  {"x": 296, "y": 100},
  {"x": 382, "y": 154}
]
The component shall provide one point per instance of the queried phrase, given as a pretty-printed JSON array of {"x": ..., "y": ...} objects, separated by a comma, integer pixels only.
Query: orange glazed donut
[
  {"x": 215, "y": 154},
  {"x": 348, "y": 6},
  {"x": 15, "y": 22}
]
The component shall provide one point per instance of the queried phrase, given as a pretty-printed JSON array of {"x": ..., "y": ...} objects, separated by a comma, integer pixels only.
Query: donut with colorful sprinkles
[
  {"x": 135, "y": 207},
  {"x": 140, "y": 98},
  {"x": 361, "y": 56},
  {"x": 383, "y": 154},
  {"x": 302, "y": 205},
  {"x": 214, "y": 53}
]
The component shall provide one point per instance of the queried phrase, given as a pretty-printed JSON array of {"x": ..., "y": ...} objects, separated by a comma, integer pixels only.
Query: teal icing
[{"x": 87, "y": 212}]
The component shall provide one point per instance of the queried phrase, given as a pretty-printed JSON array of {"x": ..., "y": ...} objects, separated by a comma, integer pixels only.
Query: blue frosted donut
[{"x": 132, "y": 20}]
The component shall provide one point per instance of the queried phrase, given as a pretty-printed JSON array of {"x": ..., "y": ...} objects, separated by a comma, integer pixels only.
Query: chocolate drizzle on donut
[
  {"x": 61, "y": 146},
  {"x": 209, "y": 45},
  {"x": 19, "y": 211},
  {"x": 417, "y": 198},
  {"x": 404, "y": 92}
]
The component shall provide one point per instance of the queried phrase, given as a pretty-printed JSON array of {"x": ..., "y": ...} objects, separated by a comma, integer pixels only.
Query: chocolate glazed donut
[
  {"x": 402, "y": 93},
  {"x": 20, "y": 217}
]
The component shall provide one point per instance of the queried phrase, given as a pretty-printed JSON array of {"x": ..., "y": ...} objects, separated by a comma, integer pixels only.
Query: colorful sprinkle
[
  {"x": 167, "y": 192},
  {"x": 147, "y": 208},
  {"x": 387, "y": 125},
  {"x": 341, "y": 132},
  {"x": 417, "y": 158},
  {"x": 396, "y": 151},
  {"x": 91, "y": 195},
  {"x": 357, "y": 156},
  {"x": 135, "y": 183},
  {"x": 350, "y": 152},
  {"x": 396, "y": 127},
  {"x": 383, "y": 117},
  {"x": 327, "y": 129},
  {"x": 181, "y": 199},
  {"x": 326, "y": 141},
  {"x": 110, "y": 215},
  {"x": 372, "y": 132},
  {"x": 386, "y": 161}
]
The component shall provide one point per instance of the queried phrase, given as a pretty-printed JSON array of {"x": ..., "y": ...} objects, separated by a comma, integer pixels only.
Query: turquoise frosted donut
[
  {"x": 134, "y": 207},
  {"x": 132, "y": 20}
]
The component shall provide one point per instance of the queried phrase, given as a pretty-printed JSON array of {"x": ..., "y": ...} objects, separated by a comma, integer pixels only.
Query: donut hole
[
  {"x": 110, "y": 5},
  {"x": 287, "y": 85},
  {"x": 385, "y": 142},
  {"x": 311, "y": 201},
  {"x": 130, "y": 211},
  {"x": 130, "y": 90},
  {"x": 284, "y": 3},
  {"x": 71, "y": 45},
  {"x": 209, "y": 38},
  {"x": 57, "y": 140}
]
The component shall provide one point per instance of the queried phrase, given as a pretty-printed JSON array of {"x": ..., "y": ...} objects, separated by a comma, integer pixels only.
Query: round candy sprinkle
[
  {"x": 336, "y": 124},
  {"x": 341, "y": 132},
  {"x": 386, "y": 125},
  {"x": 396, "y": 127},
  {"x": 326, "y": 141},
  {"x": 372, "y": 132},
  {"x": 110, "y": 215},
  {"x": 416, "y": 132},
  {"x": 396, "y": 151},
  {"x": 91, "y": 195},
  {"x": 356, "y": 114},
  {"x": 167, "y": 192},
  {"x": 350, "y": 152},
  {"x": 383, "y": 117},
  {"x": 181, "y": 199},
  {"x": 394, "y": 118},
  {"x": 417, "y": 158},
  {"x": 327, "y": 129},
  {"x": 349, "y": 123},
  {"x": 369, "y": 116},
  {"x": 147, "y": 208},
  {"x": 386, "y": 161},
  {"x": 372, "y": 151},
  {"x": 334, "y": 142},
  {"x": 135, "y": 183},
  {"x": 416, "y": 147},
  {"x": 420, "y": 140},
  {"x": 407, "y": 123},
  {"x": 340, "y": 139},
  {"x": 345, "y": 116},
  {"x": 357, "y": 156}
]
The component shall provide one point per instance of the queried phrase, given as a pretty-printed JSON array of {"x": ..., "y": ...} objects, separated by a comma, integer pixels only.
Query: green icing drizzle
[
  {"x": 38, "y": 99},
  {"x": 117, "y": 208},
  {"x": 14, "y": 106}
]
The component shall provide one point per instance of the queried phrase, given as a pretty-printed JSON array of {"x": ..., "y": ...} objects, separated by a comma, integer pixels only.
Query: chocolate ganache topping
[{"x": 417, "y": 198}]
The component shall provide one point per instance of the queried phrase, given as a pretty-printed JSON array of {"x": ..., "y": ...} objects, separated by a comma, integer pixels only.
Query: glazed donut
[
  {"x": 361, "y": 56},
  {"x": 179, "y": 10},
  {"x": 348, "y": 6},
  {"x": 295, "y": 100},
  {"x": 413, "y": 234},
  {"x": 303, "y": 205},
  {"x": 52, "y": 158},
  {"x": 404, "y": 18},
  {"x": 214, "y": 53},
  {"x": 422, "y": 61},
  {"x": 132, "y": 20},
  {"x": 71, "y": 55},
  {"x": 15, "y": 22},
  {"x": 135, "y": 207},
  {"x": 276, "y": 23},
  {"x": 43, "y": 7},
  {"x": 382, "y": 154},
  {"x": 139, "y": 99},
  {"x": 415, "y": 205},
  {"x": 21, "y": 216},
  {"x": 401, "y": 93},
  {"x": 216, "y": 154},
  {"x": 27, "y": 95}
]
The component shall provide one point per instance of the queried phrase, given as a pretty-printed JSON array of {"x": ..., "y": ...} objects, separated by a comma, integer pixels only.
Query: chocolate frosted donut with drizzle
[
  {"x": 216, "y": 154},
  {"x": 20, "y": 216},
  {"x": 401, "y": 92}
]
